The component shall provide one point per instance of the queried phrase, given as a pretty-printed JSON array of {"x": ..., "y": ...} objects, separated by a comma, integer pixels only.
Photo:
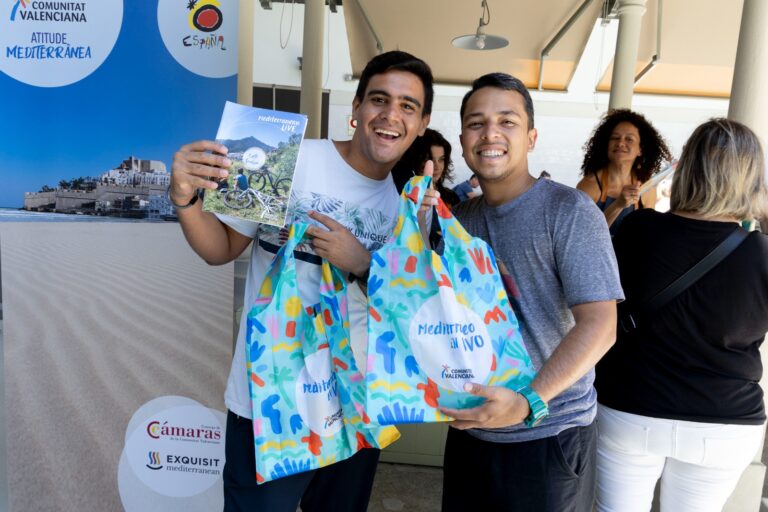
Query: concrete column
[
  {"x": 245, "y": 54},
  {"x": 749, "y": 103},
  {"x": 312, "y": 66},
  {"x": 625, "y": 60}
]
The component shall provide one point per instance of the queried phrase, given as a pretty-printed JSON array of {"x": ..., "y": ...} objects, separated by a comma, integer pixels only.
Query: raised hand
[
  {"x": 431, "y": 196},
  {"x": 193, "y": 167},
  {"x": 430, "y": 200},
  {"x": 630, "y": 195}
]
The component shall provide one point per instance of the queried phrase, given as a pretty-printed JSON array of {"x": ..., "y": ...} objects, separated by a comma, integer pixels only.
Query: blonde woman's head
[{"x": 721, "y": 172}]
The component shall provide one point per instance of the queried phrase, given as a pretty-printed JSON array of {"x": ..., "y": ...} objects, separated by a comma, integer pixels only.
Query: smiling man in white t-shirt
[{"x": 346, "y": 187}]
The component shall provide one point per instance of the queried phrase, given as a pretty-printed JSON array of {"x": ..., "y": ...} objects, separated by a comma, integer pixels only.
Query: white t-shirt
[{"x": 324, "y": 183}]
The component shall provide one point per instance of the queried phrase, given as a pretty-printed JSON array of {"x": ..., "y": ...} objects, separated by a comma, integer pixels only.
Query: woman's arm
[
  {"x": 649, "y": 198},
  {"x": 588, "y": 185}
]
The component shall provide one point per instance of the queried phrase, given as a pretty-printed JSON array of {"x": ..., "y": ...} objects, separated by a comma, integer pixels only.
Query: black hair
[
  {"x": 505, "y": 82},
  {"x": 414, "y": 158},
  {"x": 435, "y": 138},
  {"x": 398, "y": 61},
  {"x": 654, "y": 148}
]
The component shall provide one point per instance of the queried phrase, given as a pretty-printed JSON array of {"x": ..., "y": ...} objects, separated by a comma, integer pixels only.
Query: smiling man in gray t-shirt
[{"x": 534, "y": 449}]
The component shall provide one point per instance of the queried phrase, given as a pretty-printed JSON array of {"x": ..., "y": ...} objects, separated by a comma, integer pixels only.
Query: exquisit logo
[{"x": 154, "y": 461}]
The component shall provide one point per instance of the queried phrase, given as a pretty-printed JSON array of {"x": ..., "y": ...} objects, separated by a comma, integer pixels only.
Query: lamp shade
[{"x": 479, "y": 42}]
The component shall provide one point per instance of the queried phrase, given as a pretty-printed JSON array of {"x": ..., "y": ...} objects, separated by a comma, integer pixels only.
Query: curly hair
[{"x": 654, "y": 148}]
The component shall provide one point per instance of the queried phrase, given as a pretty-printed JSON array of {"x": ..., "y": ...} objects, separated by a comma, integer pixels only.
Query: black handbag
[{"x": 630, "y": 317}]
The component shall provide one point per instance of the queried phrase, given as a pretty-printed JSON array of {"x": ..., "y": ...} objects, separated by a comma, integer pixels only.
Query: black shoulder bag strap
[{"x": 628, "y": 320}]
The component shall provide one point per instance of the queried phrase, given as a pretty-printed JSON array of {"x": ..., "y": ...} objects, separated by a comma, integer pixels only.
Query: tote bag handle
[
  {"x": 282, "y": 262},
  {"x": 454, "y": 234}
]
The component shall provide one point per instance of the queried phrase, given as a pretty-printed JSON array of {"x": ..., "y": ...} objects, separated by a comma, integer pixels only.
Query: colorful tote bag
[
  {"x": 306, "y": 393},
  {"x": 436, "y": 322}
]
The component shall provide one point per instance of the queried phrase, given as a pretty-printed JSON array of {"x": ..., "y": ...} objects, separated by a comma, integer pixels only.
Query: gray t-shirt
[{"x": 555, "y": 243}]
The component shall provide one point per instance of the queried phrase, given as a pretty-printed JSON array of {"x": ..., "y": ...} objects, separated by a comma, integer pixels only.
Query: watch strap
[{"x": 539, "y": 408}]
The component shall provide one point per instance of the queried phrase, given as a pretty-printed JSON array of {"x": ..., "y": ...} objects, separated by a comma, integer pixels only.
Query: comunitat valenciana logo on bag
[
  {"x": 450, "y": 342},
  {"x": 461, "y": 373},
  {"x": 317, "y": 395}
]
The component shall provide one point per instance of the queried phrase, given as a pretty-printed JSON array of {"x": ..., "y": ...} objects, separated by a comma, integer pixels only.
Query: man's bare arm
[
  {"x": 589, "y": 339},
  {"x": 580, "y": 350}
]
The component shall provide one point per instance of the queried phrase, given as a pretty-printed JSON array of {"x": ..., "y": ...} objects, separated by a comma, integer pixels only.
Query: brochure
[
  {"x": 263, "y": 147},
  {"x": 657, "y": 178}
]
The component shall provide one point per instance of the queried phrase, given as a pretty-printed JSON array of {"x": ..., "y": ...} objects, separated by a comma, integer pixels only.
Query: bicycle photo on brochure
[
  {"x": 261, "y": 190},
  {"x": 263, "y": 146},
  {"x": 258, "y": 186},
  {"x": 265, "y": 179},
  {"x": 251, "y": 198}
]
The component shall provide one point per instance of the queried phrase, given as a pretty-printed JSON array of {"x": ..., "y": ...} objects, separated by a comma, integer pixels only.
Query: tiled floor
[{"x": 400, "y": 487}]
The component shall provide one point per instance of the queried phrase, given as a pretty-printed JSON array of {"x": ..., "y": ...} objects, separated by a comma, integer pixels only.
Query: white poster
[
  {"x": 51, "y": 44},
  {"x": 173, "y": 457}
]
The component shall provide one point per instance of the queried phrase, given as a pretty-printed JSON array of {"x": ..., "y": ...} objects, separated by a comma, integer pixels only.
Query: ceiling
[
  {"x": 697, "y": 51},
  {"x": 698, "y": 48}
]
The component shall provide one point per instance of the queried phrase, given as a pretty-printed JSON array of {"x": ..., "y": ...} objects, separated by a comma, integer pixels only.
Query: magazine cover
[{"x": 263, "y": 147}]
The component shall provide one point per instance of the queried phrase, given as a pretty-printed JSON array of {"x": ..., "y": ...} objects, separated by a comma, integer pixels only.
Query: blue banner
[{"x": 91, "y": 87}]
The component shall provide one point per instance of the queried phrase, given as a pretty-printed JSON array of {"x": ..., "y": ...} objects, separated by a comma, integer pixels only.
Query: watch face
[{"x": 535, "y": 420}]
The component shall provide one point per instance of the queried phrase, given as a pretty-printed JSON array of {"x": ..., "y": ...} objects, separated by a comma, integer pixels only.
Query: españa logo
[
  {"x": 154, "y": 461},
  {"x": 205, "y": 15}
]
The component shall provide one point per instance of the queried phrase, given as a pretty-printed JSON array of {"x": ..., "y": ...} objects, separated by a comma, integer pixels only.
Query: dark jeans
[
  {"x": 341, "y": 487},
  {"x": 555, "y": 474}
]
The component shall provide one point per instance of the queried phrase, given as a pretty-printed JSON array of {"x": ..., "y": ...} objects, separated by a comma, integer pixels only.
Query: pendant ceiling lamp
[{"x": 480, "y": 40}]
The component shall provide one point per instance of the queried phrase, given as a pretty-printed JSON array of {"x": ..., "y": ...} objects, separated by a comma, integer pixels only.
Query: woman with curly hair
[
  {"x": 625, "y": 150},
  {"x": 430, "y": 146}
]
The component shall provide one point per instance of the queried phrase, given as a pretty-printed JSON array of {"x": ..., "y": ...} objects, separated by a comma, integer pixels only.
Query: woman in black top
[
  {"x": 679, "y": 395},
  {"x": 624, "y": 151}
]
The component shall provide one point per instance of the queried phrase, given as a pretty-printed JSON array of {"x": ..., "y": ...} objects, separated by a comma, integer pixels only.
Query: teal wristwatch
[{"x": 539, "y": 408}]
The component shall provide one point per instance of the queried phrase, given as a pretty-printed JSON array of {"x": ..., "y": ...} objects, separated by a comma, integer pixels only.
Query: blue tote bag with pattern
[
  {"x": 307, "y": 396},
  {"x": 437, "y": 321}
]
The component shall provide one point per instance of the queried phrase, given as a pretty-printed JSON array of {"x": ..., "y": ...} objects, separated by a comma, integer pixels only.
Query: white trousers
[{"x": 699, "y": 463}]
